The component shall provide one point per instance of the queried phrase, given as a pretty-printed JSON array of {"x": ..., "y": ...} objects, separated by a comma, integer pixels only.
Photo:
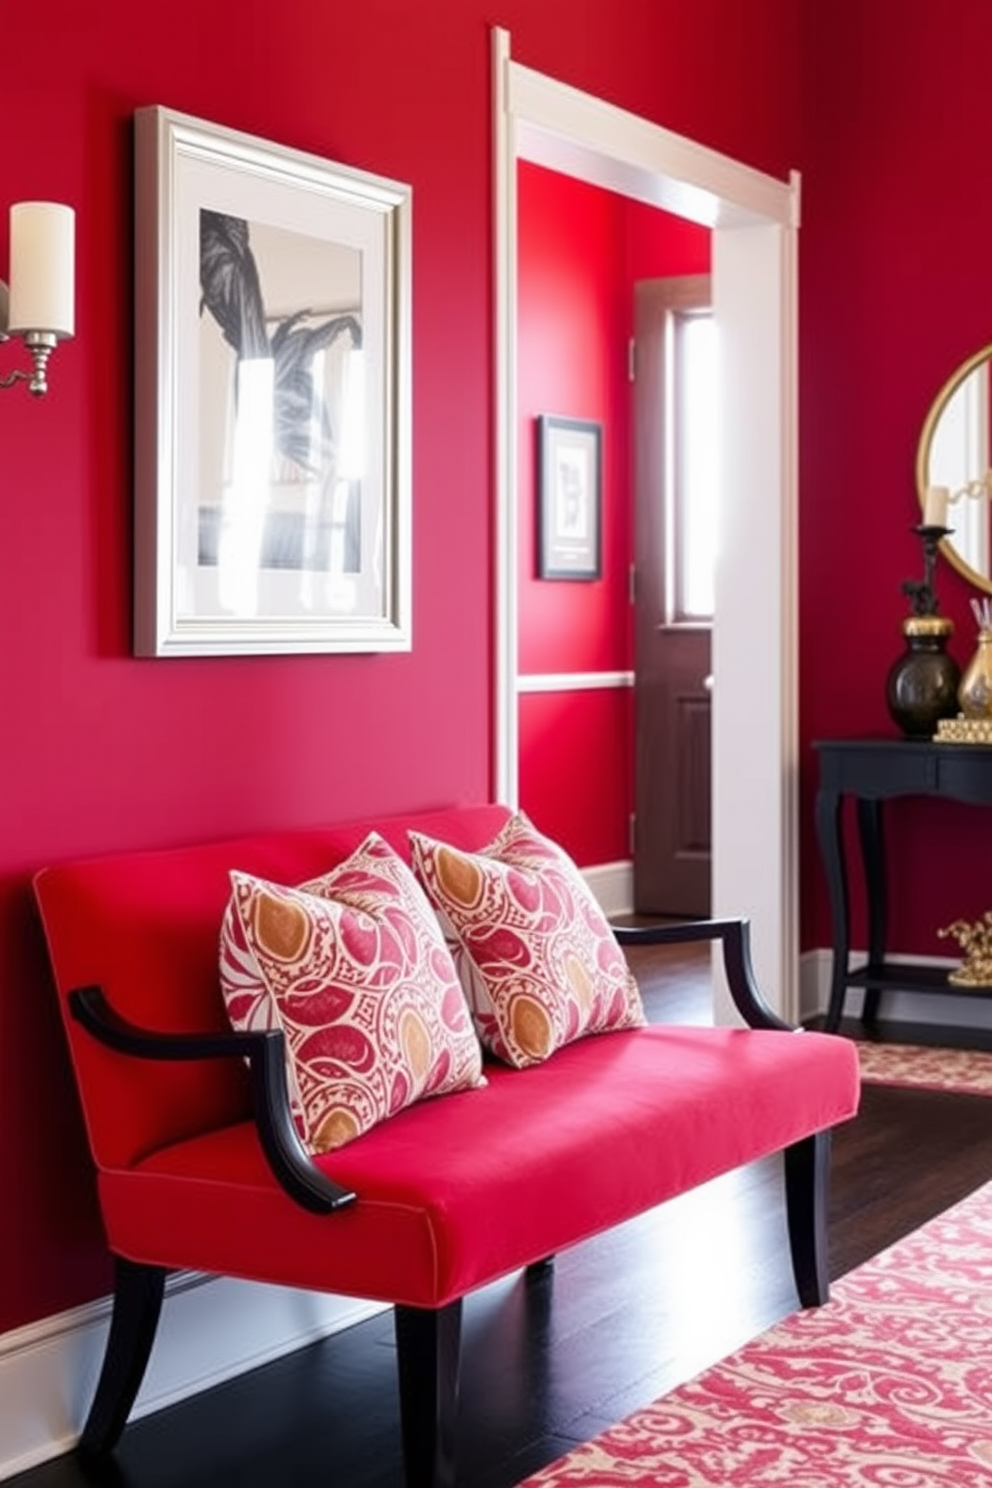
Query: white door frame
[{"x": 754, "y": 219}]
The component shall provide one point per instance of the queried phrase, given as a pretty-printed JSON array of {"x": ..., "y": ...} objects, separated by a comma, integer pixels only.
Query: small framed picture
[{"x": 570, "y": 495}]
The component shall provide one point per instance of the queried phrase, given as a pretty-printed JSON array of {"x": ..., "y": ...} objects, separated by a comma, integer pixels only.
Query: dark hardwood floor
[{"x": 613, "y": 1325}]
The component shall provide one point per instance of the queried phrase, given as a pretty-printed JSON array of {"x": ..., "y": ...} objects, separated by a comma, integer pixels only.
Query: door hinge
[
  {"x": 632, "y": 833},
  {"x": 631, "y": 360}
]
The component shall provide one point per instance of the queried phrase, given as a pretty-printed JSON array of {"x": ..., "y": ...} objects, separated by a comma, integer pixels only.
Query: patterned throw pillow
[
  {"x": 537, "y": 958},
  {"x": 354, "y": 968}
]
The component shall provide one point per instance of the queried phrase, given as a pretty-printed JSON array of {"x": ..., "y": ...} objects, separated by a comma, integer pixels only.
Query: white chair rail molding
[{"x": 38, "y": 306}]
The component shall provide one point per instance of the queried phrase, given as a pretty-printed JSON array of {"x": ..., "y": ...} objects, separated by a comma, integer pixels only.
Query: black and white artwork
[
  {"x": 273, "y": 502},
  {"x": 308, "y": 361},
  {"x": 569, "y": 498}
]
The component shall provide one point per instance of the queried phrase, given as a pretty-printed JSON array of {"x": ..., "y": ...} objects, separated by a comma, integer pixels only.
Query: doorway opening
[{"x": 754, "y": 220}]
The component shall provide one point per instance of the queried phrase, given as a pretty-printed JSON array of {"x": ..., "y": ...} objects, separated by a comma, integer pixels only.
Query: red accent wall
[
  {"x": 572, "y": 350},
  {"x": 576, "y": 769},
  {"x": 896, "y": 291},
  {"x": 100, "y": 751},
  {"x": 581, "y": 249}
]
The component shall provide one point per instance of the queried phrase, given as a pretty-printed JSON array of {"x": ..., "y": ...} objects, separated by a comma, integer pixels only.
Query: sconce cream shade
[{"x": 42, "y": 274}]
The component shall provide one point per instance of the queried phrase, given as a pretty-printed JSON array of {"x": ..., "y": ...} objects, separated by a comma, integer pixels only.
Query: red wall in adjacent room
[
  {"x": 100, "y": 751},
  {"x": 581, "y": 249}
]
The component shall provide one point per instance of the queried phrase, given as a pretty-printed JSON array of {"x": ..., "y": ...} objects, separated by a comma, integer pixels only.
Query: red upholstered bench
[{"x": 200, "y": 1166}]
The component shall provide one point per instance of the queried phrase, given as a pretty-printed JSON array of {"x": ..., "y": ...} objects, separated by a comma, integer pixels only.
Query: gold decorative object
[
  {"x": 975, "y": 939},
  {"x": 963, "y": 730},
  {"x": 975, "y": 690}
]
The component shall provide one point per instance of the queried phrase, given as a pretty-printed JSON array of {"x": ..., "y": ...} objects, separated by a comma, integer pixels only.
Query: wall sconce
[{"x": 40, "y": 304}]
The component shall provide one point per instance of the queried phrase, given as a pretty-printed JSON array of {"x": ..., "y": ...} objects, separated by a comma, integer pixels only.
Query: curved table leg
[
  {"x": 828, "y": 831},
  {"x": 873, "y": 857}
]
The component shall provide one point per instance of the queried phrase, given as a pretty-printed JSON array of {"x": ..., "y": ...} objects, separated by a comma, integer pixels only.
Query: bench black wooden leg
[
  {"x": 428, "y": 1343},
  {"x": 807, "y": 1174},
  {"x": 138, "y": 1294},
  {"x": 538, "y": 1270}
]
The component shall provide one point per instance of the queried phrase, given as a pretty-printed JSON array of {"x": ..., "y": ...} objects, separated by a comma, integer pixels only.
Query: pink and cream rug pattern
[
  {"x": 960, "y": 1071},
  {"x": 887, "y": 1386}
]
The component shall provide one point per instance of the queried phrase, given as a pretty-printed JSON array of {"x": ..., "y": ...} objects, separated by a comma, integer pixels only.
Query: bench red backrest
[{"x": 145, "y": 927}]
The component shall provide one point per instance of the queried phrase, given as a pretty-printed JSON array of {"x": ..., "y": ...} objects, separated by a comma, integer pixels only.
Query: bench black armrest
[
  {"x": 736, "y": 938},
  {"x": 264, "y": 1051}
]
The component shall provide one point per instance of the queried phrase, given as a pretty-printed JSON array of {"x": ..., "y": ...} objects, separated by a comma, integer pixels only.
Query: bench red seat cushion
[{"x": 605, "y": 1129}]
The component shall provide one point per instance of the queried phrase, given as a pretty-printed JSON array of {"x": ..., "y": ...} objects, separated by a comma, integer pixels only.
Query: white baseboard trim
[
  {"x": 897, "y": 1007},
  {"x": 211, "y": 1329},
  {"x": 613, "y": 886}
]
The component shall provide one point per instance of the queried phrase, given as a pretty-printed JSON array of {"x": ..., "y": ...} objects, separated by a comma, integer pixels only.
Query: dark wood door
[{"x": 672, "y": 833}]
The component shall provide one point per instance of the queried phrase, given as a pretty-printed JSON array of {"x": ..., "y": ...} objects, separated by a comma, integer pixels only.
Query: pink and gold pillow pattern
[
  {"x": 537, "y": 958},
  {"x": 354, "y": 968}
]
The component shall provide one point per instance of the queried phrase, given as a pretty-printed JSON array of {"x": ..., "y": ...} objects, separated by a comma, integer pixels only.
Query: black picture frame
[{"x": 570, "y": 483}]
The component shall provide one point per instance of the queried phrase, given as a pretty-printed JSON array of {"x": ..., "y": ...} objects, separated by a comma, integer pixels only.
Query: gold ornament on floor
[{"x": 975, "y": 939}]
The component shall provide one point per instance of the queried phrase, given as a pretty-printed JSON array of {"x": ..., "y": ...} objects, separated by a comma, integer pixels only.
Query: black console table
[{"x": 872, "y": 771}]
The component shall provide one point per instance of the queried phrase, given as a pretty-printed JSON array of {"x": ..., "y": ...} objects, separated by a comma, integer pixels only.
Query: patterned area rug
[
  {"x": 961, "y": 1071},
  {"x": 887, "y": 1386}
]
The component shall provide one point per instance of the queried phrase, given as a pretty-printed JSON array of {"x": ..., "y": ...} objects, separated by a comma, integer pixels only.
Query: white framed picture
[{"x": 272, "y": 367}]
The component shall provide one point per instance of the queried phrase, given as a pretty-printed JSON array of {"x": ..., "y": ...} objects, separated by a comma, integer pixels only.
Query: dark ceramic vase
[{"x": 923, "y": 683}]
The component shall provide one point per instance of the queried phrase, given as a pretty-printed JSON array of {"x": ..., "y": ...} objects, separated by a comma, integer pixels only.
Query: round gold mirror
[{"x": 955, "y": 456}]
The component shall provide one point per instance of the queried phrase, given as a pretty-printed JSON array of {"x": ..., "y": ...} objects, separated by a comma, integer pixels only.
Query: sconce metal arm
[{"x": 41, "y": 344}]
